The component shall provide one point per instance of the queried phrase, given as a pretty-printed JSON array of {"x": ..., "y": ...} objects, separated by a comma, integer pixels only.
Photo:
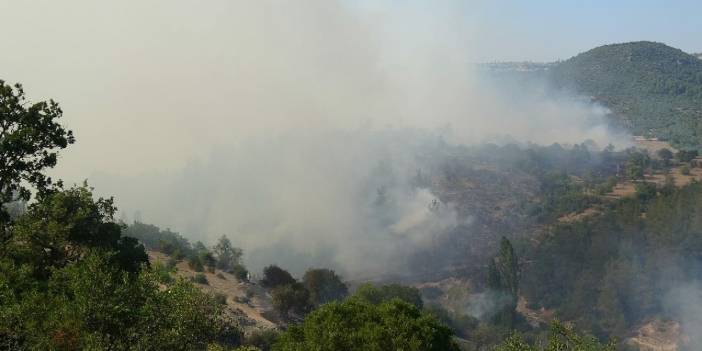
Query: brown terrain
[{"x": 247, "y": 303}]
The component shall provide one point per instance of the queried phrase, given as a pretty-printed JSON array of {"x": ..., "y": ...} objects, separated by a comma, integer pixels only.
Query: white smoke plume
[
  {"x": 292, "y": 127},
  {"x": 684, "y": 304}
]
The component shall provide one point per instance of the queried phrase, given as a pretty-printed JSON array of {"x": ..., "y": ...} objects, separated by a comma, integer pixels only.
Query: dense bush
[
  {"x": 610, "y": 273},
  {"x": 384, "y": 293},
  {"x": 359, "y": 325},
  {"x": 200, "y": 279},
  {"x": 291, "y": 300},
  {"x": 324, "y": 286},
  {"x": 274, "y": 276},
  {"x": 70, "y": 281}
]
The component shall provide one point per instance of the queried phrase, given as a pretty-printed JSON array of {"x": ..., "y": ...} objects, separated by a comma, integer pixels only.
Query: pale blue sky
[{"x": 546, "y": 30}]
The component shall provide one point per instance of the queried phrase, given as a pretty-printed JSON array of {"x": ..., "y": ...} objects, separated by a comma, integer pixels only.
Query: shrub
[
  {"x": 195, "y": 263},
  {"x": 393, "y": 325},
  {"x": 379, "y": 294},
  {"x": 242, "y": 299},
  {"x": 263, "y": 339},
  {"x": 645, "y": 190},
  {"x": 220, "y": 298},
  {"x": 685, "y": 169},
  {"x": 200, "y": 279},
  {"x": 171, "y": 263},
  {"x": 291, "y": 299},
  {"x": 240, "y": 272},
  {"x": 324, "y": 286},
  {"x": 162, "y": 273},
  {"x": 274, "y": 276}
]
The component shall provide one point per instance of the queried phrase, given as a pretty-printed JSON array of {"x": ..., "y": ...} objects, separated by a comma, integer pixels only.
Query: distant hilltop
[{"x": 652, "y": 89}]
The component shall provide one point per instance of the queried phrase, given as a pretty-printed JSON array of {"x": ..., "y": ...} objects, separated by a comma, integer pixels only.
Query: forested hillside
[
  {"x": 617, "y": 270},
  {"x": 651, "y": 88}
]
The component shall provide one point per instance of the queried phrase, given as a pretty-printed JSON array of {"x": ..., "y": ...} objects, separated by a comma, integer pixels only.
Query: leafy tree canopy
[
  {"x": 324, "y": 286},
  {"x": 384, "y": 293},
  {"x": 30, "y": 137},
  {"x": 359, "y": 325}
]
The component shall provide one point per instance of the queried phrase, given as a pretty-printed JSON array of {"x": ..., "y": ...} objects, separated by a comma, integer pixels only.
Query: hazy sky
[{"x": 547, "y": 30}]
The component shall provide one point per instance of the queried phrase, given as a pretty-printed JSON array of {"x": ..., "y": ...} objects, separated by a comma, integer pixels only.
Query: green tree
[
  {"x": 503, "y": 283},
  {"x": 229, "y": 258},
  {"x": 324, "y": 286},
  {"x": 685, "y": 170},
  {"x": 358, "y": 325},
  {"x": 30, "y": 137},
  {"x": 666, "y": 155},
  {"x": 92, "y": 304},
  {"x": 636, "y": 165},
  {"x": 58, "y": 229},
  {"x": 686, "y": 155},
  {"x": 274, "y": 276},
  {"x": 291, "y": 300}
]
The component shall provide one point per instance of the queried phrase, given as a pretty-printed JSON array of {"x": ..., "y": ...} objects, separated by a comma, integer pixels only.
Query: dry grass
[
  {"x": 658, "y": 335},
  {"x": 235, "y": 291}
]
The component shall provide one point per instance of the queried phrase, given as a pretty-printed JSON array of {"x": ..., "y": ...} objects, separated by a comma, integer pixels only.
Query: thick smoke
[
  {"x": 684, "y": 304},
  {"x": 292, "y": 127}
]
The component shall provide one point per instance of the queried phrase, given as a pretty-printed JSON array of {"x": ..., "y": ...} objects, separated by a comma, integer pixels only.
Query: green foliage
[
  {"x": 69, "y": 279},
  {"x": 358, "y": 325},
  {"x": 561, "y": 195},
  {"x": 263, "y": 339},
  {"x": 31, "y": 138},
  {"x": 274, "y": 276},
  {"x": 200, "y": 279},
  {"x": 195, "y": 263},
  {"x": 77, "y": 283},
  {"x": 686, "y": 155},
  {"x": 324, "y": 286},
  {"x": 685, "y": 170},
  {"x": 562, "y": 338},
  {"x": 291, "y": 300},
  {"x": 163, "y": 273},
  {"x": 645, "y": 190},
  {"x": 165, "y": 241},
  {"x": 384, "y": 293},
  {"x": 665, "y": 154},
  {"x": 461, "y": 324},
  {"x": 62, "y": 225},
  {"x": 220, "y": 298},
  {"x": 636, "y": 165},
  {"x": 92, "y": 304},
  {"x": 608, "y": 274},
  {"x": 503, "y": 283},
  {"x": 229, "y": 258},
  {"x": 240, "y": 272}
]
